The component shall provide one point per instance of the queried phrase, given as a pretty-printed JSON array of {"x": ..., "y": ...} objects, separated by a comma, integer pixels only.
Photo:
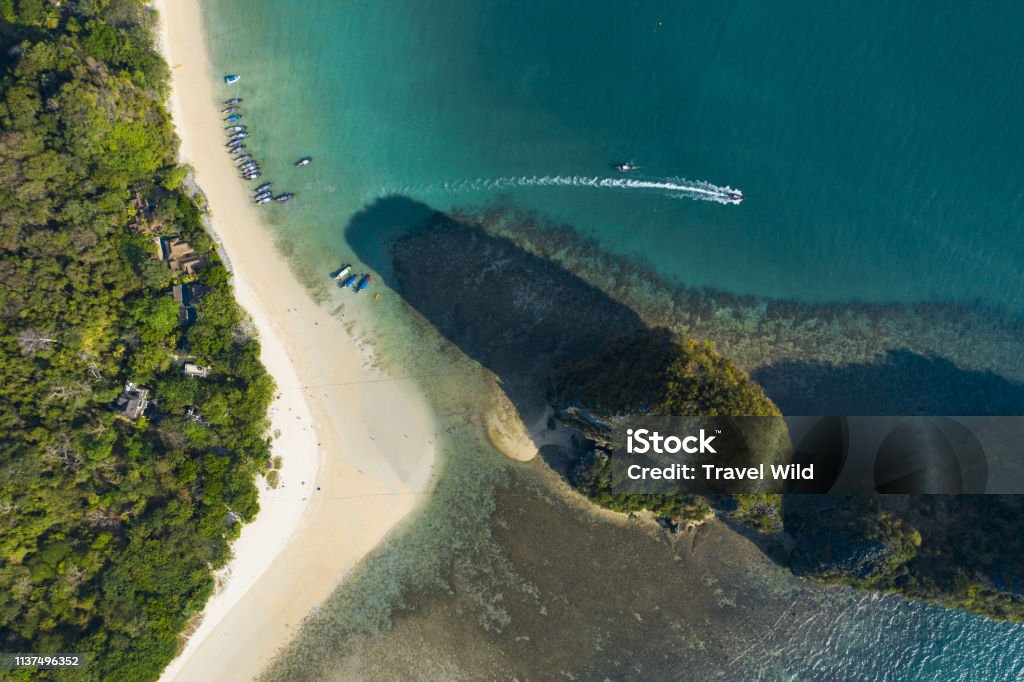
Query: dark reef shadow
[
  {"x": 902, "y": 383},
  {"x": 518, "y": 314},
  {"x": 511, "y": 311}
]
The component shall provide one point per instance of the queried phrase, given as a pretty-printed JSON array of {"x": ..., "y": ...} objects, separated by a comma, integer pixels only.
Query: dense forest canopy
[
  {"x": 112, "y": 524},
  {"x": 653, "y": 372}
]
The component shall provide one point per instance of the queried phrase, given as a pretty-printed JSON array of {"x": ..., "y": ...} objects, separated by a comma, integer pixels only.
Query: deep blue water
[{"x": 877, "y": 145}]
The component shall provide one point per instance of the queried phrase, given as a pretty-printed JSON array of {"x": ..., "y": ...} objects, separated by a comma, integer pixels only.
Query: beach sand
[{"x": 357, "y": 447}]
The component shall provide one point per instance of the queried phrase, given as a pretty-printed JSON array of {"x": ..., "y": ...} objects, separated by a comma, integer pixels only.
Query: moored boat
[
  {"x": 343, "y": 272},
  {"x": 237, "y": 149},
  {"x": 242, "y": 158},
  {"x": 363, "y": 283},
  {"x": 229, "y": 110},
  {"x": 304, "y": 161},
  {"x": 349, "y": 282},
  {"x": 287, "y": 196},
  {"x": 232, "y": 78},
  {"x": 233, "y": 117},
  {"x": 233, "y": 101},
  {"x": 237, "y": 129},
  {"x": 264, "y": 200},
  {"x": 265, "y": 186}
]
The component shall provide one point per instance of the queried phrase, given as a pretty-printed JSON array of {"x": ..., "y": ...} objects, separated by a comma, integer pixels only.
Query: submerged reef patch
[{"x": 841, "y": 358}]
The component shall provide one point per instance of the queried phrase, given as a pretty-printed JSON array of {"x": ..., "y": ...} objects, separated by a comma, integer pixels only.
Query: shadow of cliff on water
[
  {"x": 511, "y": 311},
  {"x": 901, "y": 383},
  {"x": 518, "y": 314}
]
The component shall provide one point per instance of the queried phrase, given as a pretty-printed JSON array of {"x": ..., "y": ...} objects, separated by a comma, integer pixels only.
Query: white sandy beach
[{"x": 357, "y": 451}]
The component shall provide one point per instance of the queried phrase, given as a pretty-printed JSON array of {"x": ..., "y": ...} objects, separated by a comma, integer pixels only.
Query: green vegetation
[
  {"x": 652, "y": 373},
  {"x": 959, "y": 551},
  {"x": 853, "y": 540},
  {"x": 111, "y": 527}
]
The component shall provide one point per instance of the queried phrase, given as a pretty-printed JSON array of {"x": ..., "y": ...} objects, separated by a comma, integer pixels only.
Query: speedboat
[
  {"x": 233, "y": 101},
  {"x": 281, "y": 198},
  {"x": 343, "y": 272},
  {"x": 304, "y": 161},
  {"x": 231, "y": 78},
  {"x": 349, "y": 282},
  {"x": 265, "y": 186},
  {"x": 626, "y": 167},
  {"x": 233, "y": 117},
  {"x": 363, "y": 283},
  {"x": 734, "y": 195}
]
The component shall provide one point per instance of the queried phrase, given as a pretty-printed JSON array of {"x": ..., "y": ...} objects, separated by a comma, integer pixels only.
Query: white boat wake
[{"x": 680, "y": 188}]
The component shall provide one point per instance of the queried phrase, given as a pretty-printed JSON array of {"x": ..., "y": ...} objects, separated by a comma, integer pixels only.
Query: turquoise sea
[
  {"x": 874, "y": 142},
  {"x": 876, "y": 145}
]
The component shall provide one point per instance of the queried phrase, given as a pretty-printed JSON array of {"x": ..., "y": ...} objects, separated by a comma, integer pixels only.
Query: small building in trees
[
  {"x": 192, "y": 414},
  {"x": 133, "y": 401},
  {"x": 141, "y": 214},
  {"x": 180, "y": 255},
  {"x": 187, "y": 295},
  {"x": 194, "y": 370}
]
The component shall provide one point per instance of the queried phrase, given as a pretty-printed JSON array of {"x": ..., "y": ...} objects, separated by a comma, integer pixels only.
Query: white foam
[{"x": 673, "y": 187}]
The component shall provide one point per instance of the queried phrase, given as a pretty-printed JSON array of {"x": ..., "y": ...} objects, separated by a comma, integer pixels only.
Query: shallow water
[{"x": 867, "y": 142}]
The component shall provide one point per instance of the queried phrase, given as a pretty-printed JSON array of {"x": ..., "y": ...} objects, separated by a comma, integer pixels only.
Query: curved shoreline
[{"x": 349, "y": 474}]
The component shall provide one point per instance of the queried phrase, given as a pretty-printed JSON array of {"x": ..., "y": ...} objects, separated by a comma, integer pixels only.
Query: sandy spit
[{"x": 357, "y": 451}]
